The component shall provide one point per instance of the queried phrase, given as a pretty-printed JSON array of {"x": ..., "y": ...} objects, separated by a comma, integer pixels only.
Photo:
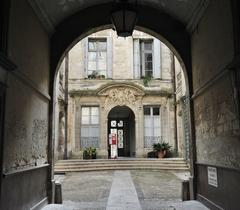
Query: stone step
[
  {"x": 61, "y": 162},
  {"x": 119, "y": 168},
  {"x": 63, "y": 166},
  {"x": 129, "y": 166},
  {"x": 125, "y": 163},
  {"x": 112, "y": 164},
  {"x": 126, "y": 159}
]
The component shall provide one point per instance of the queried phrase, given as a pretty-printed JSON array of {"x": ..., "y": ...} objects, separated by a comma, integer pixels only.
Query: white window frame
[
  {"x": 90, "y": 125},
  {"x": 138, "y": 71},
  {"x": 142, "y": 56},
  {"x": 109, "y": 52},
  {"x": 149, "y": 140},
  {"x": 98, "y": 52}
]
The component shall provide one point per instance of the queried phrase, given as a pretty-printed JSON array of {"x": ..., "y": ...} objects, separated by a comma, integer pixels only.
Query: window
[
  {"x": 97, "y": 57},
  {"x": 146, "y": 57},
  {"x": 90, "y": 127},
  {"x": 152, "y": 125}
]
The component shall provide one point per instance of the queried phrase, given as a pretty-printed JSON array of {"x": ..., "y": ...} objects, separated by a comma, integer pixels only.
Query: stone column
[
  {"x": 103, "y": 149},
  {"x": 77, "y": 127},
  {"x": 139, "y": 129}
]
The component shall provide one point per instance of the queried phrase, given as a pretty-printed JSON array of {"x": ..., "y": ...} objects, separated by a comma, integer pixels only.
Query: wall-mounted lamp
[{"x": 124, "y": 19}]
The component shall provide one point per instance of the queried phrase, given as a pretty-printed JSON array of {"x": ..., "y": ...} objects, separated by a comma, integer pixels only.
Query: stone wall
[
  {"x": 122, "y": 56},
  {"x": 215, "y": 107},
  {"x": 27, "y": 110},
  {"x": 27, "y": 130},
  {"x": 216, "y": 120}
]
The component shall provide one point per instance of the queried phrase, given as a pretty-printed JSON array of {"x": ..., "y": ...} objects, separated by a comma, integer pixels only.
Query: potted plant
[
  {"x": 161, "y": 149},
  {"x": 93, "y": 75},
  {"x": 89, "y": 153},
  {"x": 146, "y": 80}
]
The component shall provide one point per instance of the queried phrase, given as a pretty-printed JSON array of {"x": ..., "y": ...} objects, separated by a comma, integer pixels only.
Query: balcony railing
[
  {"x": 89, "y": 142},
  {"x": 150, "y": 140}
]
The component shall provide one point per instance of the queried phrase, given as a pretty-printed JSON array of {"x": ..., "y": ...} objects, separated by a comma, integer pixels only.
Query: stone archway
[{"x": 121, "y": 122}]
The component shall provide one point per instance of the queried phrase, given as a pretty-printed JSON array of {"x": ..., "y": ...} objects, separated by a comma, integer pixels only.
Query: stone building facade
[{"x": 124, "y": 86}]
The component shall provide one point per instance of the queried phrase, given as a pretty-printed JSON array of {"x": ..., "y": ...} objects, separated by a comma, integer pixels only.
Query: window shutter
[
  {"x": 156, "y": 59},
  {"x": 85, "y": 54},
  {"x": 136, "y": 59},
  {"x": 109, "y": 57}
]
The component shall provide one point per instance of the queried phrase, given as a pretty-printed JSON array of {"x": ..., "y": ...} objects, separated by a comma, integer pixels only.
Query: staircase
[{"x": 78, "y": 165}]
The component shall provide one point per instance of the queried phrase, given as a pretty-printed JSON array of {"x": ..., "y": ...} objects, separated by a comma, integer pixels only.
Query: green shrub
[
  {"x": 89, "y": 153},
  {"x": 162, "y": 146}
]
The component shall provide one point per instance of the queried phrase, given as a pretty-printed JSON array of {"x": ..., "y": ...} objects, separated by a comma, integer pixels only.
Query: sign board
[
  {"x": 114, "y": 139},
  {"x": 212, "y": 176},
  {"x": 120, "y": 139},
  {"x": 110, "y": 138},
  {"x": 114, "y": 152}
]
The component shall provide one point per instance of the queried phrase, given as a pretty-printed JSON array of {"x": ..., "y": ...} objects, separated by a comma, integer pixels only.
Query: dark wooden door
[{"x": 121, "y": 128}]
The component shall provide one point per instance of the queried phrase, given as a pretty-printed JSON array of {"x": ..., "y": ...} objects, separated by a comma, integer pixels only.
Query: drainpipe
[
  {"x": 66, "y": 107},
  {"x": 174, "y": 103}
]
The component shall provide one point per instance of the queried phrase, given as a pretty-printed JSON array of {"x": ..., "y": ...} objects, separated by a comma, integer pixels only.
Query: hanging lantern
[{"x": 124, "y": 19}]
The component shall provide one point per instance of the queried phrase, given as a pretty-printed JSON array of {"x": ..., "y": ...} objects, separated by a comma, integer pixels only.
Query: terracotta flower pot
[{"x": 162, "y": 153}]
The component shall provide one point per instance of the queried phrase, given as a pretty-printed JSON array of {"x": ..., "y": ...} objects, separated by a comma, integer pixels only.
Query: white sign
[
  {"x": 120, "y": 138},
  {"x": 114, "y": 152},
  {"x": 212, "y": 176},
  {"x": 110, "y": 139}
]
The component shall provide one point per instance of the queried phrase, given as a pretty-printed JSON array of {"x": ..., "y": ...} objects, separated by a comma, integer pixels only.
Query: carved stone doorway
[{"x": 121, "y": 121}]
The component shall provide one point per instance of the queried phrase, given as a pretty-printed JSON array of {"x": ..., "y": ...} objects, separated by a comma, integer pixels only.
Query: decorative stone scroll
[{"x": 121, "y": 95}]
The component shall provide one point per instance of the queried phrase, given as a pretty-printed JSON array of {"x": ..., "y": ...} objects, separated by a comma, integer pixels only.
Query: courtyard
[{"x": 123, "y": 189}]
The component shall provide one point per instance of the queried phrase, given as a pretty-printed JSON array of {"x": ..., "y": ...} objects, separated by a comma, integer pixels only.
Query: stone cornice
[{"x": 102, "y": 90}]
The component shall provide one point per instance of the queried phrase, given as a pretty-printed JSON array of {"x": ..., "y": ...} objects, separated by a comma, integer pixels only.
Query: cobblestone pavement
[{"x": 155, "y": 190}]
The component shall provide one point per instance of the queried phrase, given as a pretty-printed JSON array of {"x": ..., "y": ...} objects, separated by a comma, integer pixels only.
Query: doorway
[{"x": 121, "y": 123}]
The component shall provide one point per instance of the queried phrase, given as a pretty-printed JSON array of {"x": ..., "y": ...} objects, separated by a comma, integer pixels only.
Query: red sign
[{"x": 114, "y": 139}]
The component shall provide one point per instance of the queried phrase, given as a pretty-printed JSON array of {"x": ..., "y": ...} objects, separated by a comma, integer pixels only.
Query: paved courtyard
[{"x": 120, "y": 190}]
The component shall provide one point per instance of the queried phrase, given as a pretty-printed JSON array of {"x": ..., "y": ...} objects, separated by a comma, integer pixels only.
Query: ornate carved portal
[{"x": 121, "y": 95}]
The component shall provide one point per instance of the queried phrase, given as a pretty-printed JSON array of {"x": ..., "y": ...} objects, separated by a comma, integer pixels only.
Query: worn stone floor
[{"x": 120, "y": 190}]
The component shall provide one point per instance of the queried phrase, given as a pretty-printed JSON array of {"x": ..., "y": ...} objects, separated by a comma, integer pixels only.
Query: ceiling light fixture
[{"x": 124, "y": 18}]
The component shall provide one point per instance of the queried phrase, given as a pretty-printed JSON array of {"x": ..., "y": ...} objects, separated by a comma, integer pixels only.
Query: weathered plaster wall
[
  {"x": 217, "y": 126},
  {"x": 27, "y": 110},
  {"x": 122, "y": 58},
  {"x": 26, "y": 128},
  {"x": 76, "y": 61},
  {"x": 166, "y": 62}
]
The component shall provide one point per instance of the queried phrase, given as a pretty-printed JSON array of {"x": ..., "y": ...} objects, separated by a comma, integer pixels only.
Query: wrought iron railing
[
  {"x": 150, "y": 140},
  {"x": 89, "y": 142}
]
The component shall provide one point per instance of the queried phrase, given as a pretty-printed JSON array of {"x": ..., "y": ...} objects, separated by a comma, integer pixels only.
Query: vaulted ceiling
[{"x": 53, "y": 12}]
